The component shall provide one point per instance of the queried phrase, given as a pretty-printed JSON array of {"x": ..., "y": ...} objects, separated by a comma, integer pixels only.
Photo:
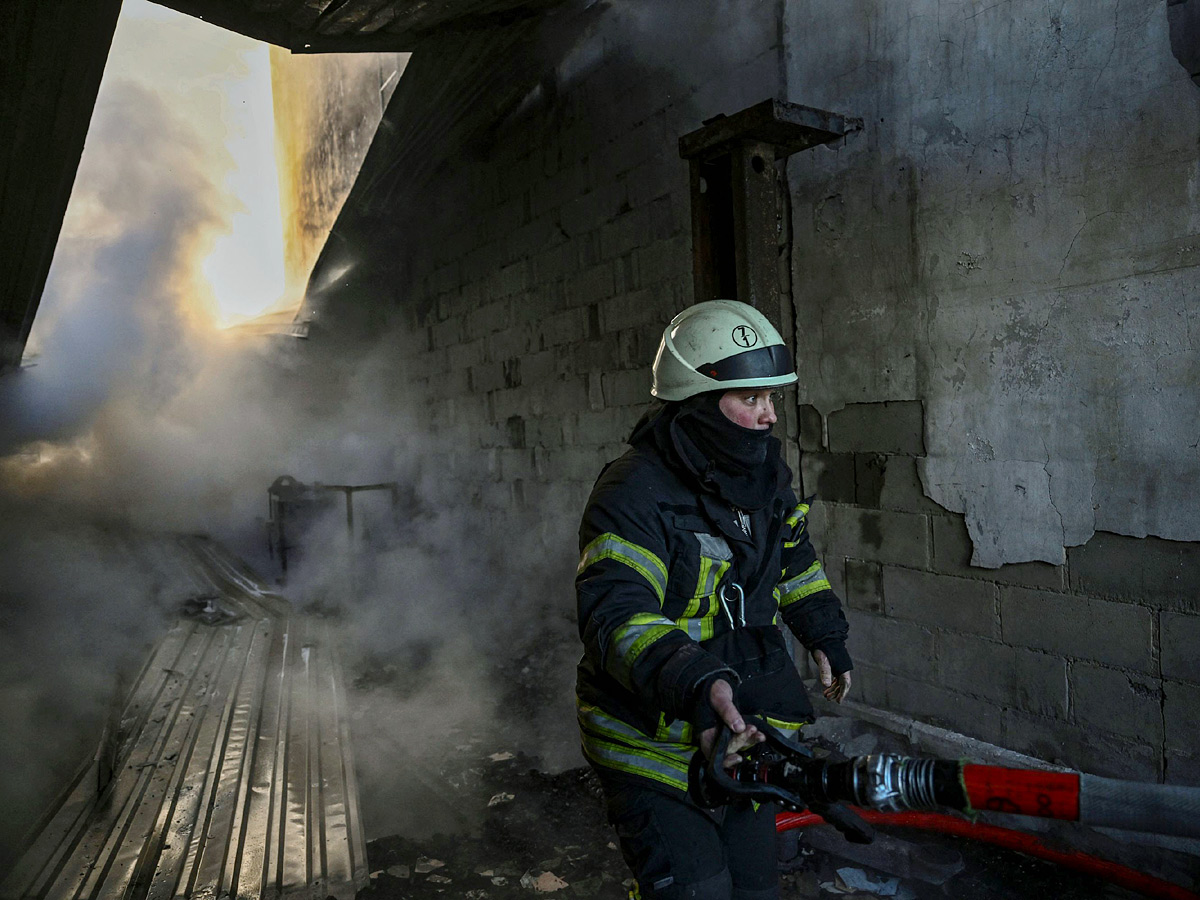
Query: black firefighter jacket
[{"x": 672, "y": 592}]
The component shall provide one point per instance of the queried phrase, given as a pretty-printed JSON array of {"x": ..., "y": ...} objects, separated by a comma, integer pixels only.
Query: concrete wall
[
  {"x": 996, "y": 283},
  {"x": 993, "y": 286}
]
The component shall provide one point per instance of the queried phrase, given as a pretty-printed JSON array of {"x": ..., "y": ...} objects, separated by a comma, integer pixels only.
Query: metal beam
[
  {"x": 788, "y": 127},
  {"x": 735, "y": 202}
]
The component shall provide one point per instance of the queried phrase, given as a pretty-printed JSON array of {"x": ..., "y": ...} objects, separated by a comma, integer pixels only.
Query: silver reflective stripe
[
  {"x": 710, "y": 574},
  {"x": 610, "y": 742},
  {"x": 632, "y": 639},
  {"x": 641, "y": 560},
  {"x": 591, "y": 717},
  {"x": 807, "y": 582},
  {"x": 702, "y": 627},
  {"x": 677, "y": 732},
  {"x": 796, "y": 522},
  {"x": 626, "y": 759},
  {"x": 715, "y": 546}
]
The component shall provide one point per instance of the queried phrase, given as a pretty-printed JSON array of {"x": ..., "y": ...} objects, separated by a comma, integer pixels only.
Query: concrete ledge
[{"x": 928, "y": 739}]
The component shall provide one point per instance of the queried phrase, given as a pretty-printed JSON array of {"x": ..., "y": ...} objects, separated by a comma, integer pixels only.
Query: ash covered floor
[{"x": 495, "y": 822}]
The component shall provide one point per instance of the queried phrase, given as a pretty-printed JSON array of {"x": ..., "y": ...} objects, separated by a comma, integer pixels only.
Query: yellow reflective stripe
[
  {"x": 698, "y": 624},
  {"x": 608, "y": 741},
  {"x": 807, "y": 583},
  {"x": 693, "y": 627},
  {"x": 631, "y": 639},
  {"x": 693, "y": 605},
  {"x": 700, "y": 628},
  {"x": 592, "y": 718},
  {"x": 702, "y": 609},
  {"x": 790, "y": 730},
  {"x": 641, "y": 560},
  {"x": 633, "y": 762},
  {"x": 702, "y": 590},
  {"x": 678, "y": 732},
  {"x": 596, "y": 721},
  {"x": 796, "y": 518},
  {"x": 711, "y": 572}
]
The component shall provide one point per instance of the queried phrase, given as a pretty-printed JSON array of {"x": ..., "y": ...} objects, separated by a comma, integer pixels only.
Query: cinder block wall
[
  {"x": 540, "y": 294},
  {"x": 1090, "y": 664}
]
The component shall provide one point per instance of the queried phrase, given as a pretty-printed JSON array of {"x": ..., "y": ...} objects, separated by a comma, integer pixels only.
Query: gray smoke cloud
[{"x": 138, "y": 418}]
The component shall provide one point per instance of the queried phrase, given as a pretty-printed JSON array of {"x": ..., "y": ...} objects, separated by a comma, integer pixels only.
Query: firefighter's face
[{"x": 753, "y": 408}]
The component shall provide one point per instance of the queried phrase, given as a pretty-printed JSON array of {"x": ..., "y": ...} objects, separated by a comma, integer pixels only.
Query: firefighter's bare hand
[
  {"x": 720, "y": 695},
  {"x": 834, "y": 689}
]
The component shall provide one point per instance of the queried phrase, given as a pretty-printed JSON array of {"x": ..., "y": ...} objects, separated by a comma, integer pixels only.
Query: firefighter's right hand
[{"x": 720, "y": 695}]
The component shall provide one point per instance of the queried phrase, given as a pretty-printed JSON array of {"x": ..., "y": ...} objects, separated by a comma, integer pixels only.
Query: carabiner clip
[{"x": 741, "y": 602}]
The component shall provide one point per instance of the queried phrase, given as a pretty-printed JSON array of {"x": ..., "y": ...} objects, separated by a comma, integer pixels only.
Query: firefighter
[{"x": 693, "y": 547}]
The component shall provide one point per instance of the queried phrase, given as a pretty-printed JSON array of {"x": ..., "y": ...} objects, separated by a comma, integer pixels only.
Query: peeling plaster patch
[
  {"x": 1097, "y": 385},
  {"x": 1139, "y": 500},
  {"x": 981, "y": 449},
  {"x": 1007, "y": 504},
  {"x": 1054, "y": 319},
  {"x": 1072, "y": 492},
  {"x": 968, "y": 262}
]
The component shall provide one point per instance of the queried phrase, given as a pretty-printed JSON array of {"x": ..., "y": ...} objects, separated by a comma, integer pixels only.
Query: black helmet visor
[{"x": 765, "y": 362}]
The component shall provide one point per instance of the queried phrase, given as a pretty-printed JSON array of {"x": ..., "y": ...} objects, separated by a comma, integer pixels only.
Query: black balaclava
[{"x": 740, "y": 465}]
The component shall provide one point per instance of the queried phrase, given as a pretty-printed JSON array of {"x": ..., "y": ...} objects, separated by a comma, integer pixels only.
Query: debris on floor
[
  {"x": 547, "y": 836},
  {"x": 850, "y": 880},
  {"x": 551, "y": 839},
  {"x": 543, "y": 882}
]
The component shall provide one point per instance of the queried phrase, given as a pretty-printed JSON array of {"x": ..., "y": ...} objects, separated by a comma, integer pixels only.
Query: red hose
[
  {"x": 1026, "y": 792},
  {"x": 1009, "y": 839}
]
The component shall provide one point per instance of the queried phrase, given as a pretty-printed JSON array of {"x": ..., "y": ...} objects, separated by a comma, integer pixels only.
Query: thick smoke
[
  {"x": 93, "y": 442},
  {"x": 137, "y": 417}
]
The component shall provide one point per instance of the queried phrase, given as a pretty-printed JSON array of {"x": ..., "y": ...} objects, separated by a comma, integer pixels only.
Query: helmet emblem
[{"x": 745, "y": 336}]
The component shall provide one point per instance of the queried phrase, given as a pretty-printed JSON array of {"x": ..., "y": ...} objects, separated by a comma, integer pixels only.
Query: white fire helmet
[{"x": 720, "y": 345}]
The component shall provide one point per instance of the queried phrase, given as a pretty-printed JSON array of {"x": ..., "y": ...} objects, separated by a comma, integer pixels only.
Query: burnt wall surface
[
  {"x": 999, "y": 280},
  {"x": 993, "y": 285},
  {"x": 327, "y": 107}
]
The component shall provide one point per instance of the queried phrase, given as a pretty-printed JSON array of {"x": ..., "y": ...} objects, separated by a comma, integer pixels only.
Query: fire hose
[{"x": 891, "y": 789}]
